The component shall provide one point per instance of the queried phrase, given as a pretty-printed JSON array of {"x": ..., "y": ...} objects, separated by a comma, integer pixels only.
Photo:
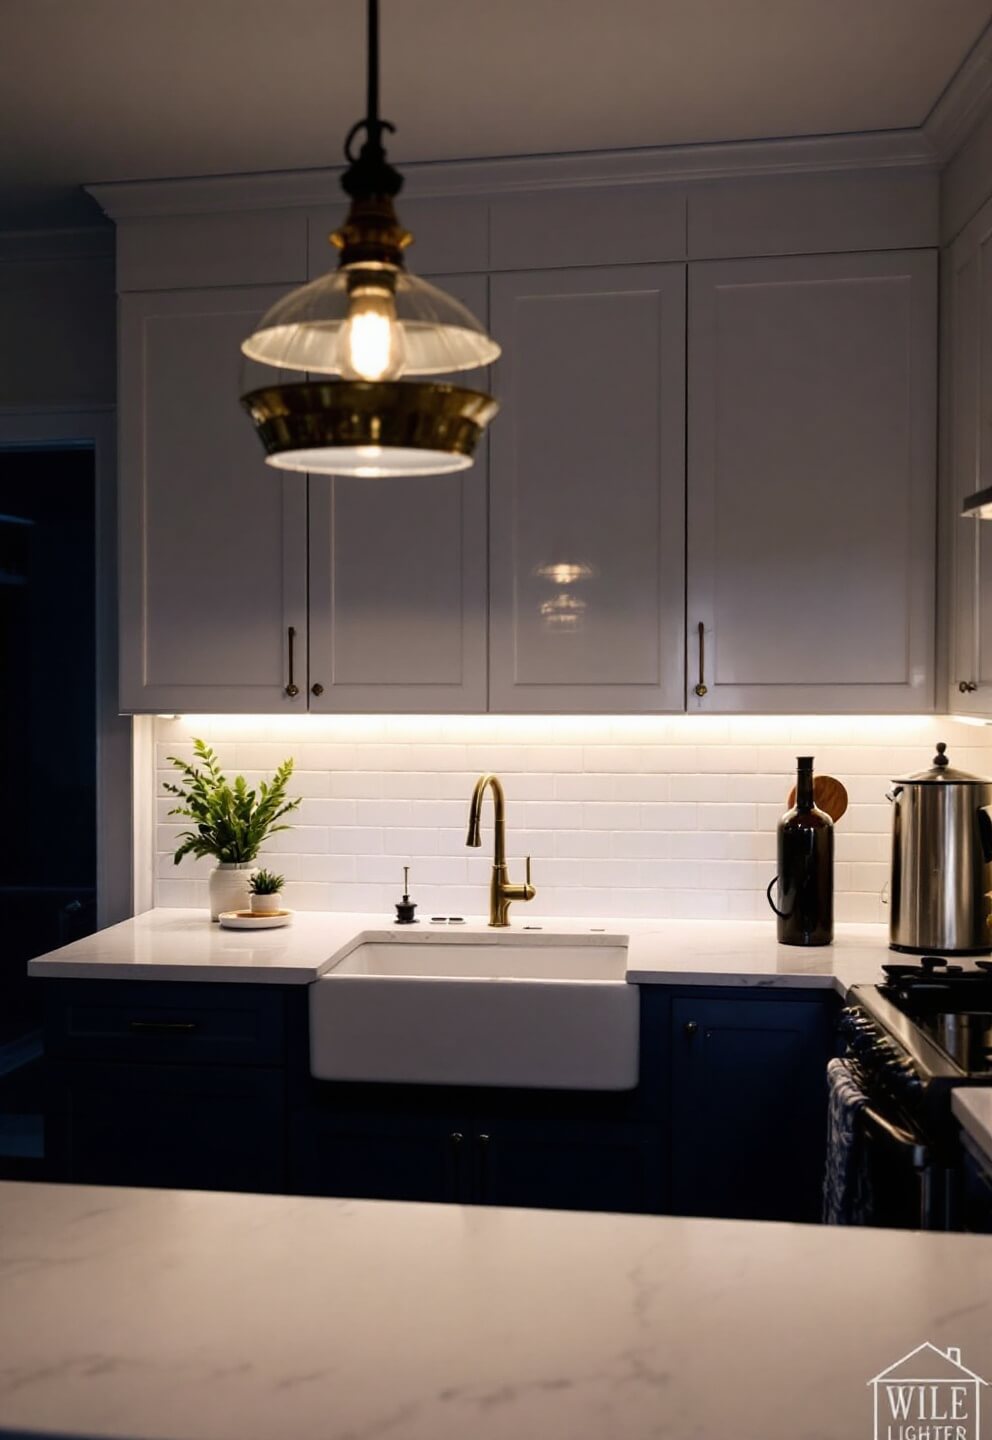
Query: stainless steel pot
[{"x": 941, "y": 861}]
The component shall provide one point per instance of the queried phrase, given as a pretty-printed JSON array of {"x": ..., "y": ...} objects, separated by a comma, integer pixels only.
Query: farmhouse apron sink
[{"x": 549, "y": 1013}]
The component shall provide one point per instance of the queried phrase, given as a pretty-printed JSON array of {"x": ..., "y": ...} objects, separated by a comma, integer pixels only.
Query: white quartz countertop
[
  {"x": 973, "y": 1109},
  {"x": 169, "y": 944},
  {"x": 174, "y": 1315}
]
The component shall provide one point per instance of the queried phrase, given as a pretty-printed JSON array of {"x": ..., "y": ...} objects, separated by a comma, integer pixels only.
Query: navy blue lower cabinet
[
  {"x": 172, "y": 1022},
  {"x": 208, "y": 1086},
  {"x": 191, "y": 1126},
  {"x": 384, "y": 1149},
  {"x": 540, "y": 1149},
  {"x": 567, "y": 1165},
  {"x": 749, "y": 1106},
  {"x": 166, "y": 1084}
]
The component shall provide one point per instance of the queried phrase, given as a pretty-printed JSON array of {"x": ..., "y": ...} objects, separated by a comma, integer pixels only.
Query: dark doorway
[{"x": 47, "y": 743}]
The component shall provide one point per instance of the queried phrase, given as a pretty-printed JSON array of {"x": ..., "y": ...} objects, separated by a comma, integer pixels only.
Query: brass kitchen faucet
[{"x": 501, "y": 889}]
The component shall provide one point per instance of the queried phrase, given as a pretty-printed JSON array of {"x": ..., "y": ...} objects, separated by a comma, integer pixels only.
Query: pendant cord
[
  {"x": 369, "y": 172},
  {"x": 372, "y": 88}
]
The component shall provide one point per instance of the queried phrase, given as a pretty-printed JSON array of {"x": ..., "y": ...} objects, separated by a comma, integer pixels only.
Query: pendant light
[{"x": 358, "y": 332}]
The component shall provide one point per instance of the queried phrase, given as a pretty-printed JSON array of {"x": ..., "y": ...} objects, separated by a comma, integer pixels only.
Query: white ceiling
[{"x": 97, "y": 90}]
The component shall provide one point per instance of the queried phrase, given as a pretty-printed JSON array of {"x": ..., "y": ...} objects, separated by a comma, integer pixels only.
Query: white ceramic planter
[
  {"x": 266, "y": 904},
  {"x": 229, "y": 888}
]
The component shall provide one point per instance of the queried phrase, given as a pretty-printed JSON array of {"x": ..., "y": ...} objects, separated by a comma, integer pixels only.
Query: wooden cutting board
[{"x": 829, "y": 796}]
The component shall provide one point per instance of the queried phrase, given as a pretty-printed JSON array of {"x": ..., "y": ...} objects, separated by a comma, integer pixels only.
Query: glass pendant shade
[{"x": 370, "y": 323}]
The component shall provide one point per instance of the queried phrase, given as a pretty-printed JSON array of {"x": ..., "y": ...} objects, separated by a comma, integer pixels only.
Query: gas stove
[
  {"x": 938, "y": 1013},
  {"x": 951, "y": 1006},
  {"x": 909, "y": 1042}
]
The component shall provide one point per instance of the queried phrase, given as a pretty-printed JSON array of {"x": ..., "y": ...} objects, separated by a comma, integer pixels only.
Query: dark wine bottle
[{"x": 805, "y": 876}]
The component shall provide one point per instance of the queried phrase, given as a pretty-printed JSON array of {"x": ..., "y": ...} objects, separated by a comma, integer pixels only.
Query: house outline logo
[{"x": 928, "y": 1395}]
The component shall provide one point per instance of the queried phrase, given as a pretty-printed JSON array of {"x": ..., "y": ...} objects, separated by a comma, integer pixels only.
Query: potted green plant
[
  {"x": 266, "y": 892},
  {"x": 231, "y": 822}
]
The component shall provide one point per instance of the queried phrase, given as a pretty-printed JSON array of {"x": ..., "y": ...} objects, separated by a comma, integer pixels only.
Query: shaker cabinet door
[
  {"x": 213, "y": 540},
  {"x": 398, "y": 580},
  {"x": 750, "y": 1107},
  {"x": 812, "y": 483},
  {"x": 968, "y": 453},
  {"x": 567, "y": 1164},
  {"x": 588, "y": 489}
]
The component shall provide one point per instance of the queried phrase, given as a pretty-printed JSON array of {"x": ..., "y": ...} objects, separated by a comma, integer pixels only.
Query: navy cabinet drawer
[
  {"x": 211, "y": 1127},
  {"x": 165, "y": 1023}
]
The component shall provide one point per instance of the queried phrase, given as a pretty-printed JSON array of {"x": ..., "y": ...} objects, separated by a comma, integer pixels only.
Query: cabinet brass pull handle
[
  {"x": 292, "y": 689},
  {"x": 456, "y": 1137},
  {"x": 701, "y": 685},
  {"x": 163, "y": 1027},
  {"x": 317, "y": 689},
  {"x": 967, "y": 686},
  {"x": 691, "y": 1026}
]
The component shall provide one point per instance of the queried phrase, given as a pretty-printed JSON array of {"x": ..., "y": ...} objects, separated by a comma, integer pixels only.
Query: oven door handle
[{"x": 897, "y": 1136}]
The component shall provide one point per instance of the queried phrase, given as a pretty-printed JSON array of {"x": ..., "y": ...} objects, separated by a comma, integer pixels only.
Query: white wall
[
  {"x": 624, "y": 816},
  {"x": 58, "y": 318}
]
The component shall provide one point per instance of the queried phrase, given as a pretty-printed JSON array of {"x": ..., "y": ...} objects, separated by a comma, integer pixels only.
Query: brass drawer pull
[
  {"x": 163, "y": 1027},
  {"x": 292, "y": 689},
  {"x": 701, "y": 685},
  {"x": 967, "y": 687}
]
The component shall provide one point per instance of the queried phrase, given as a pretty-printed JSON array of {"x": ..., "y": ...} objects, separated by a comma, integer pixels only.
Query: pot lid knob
[{"x": 940, "y": 759}]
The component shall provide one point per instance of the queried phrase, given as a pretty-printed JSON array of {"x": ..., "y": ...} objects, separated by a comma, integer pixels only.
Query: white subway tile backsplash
[
  {"x": 728, "y": 817},
  {"x": 666, "y": 816},
  {"x": 586, "y": 844},
  {"x": 637, "y": 843},
  {"x": 669, "y": 817},
  {"x": 600, "y": 816},
  {"x": 638, "y": 788},
  {"x": 331, "y": 812}
]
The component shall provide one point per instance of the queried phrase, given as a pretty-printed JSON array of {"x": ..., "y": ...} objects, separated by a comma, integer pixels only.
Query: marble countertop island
[
  {"x": 165, "y": 944},
  {"x": 172, "y": 1315}
]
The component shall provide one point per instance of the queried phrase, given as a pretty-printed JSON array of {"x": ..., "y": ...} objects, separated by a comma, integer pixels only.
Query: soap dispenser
[{"x": 406, "y": 908}]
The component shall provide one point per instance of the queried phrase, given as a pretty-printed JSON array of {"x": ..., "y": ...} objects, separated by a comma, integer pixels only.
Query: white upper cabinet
[
  {"x": 968, "y": 357},
  {"x": 588, "y": 490},
  {"x": 811, "y": 483},
  {"x": 398, "y": 580},
  {"x": 213, "y": 541},
  {"x": 562, "y": 572}
]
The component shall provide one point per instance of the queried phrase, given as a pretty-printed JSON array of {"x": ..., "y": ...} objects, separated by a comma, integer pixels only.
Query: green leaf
[{"x": 232, "y": 821}]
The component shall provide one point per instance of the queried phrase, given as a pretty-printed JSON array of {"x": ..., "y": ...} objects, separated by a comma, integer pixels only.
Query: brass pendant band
[{"x": 416, "y": 415}]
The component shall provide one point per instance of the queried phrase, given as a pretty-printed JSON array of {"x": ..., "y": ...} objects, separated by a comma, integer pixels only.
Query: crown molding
[
  {"x": 215, "y": 194},
  {"x": 90, "y": 242},
  {"x": 965, "y": 100}
]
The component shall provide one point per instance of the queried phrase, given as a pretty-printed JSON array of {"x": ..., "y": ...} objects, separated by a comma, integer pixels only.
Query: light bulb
[{"x": 372, "y": 337}]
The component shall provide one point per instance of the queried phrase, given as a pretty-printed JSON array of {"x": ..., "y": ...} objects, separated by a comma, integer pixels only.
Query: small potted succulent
[
  {"x": 230, "y": 822},
  {"x": 266, "y": 892}
]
